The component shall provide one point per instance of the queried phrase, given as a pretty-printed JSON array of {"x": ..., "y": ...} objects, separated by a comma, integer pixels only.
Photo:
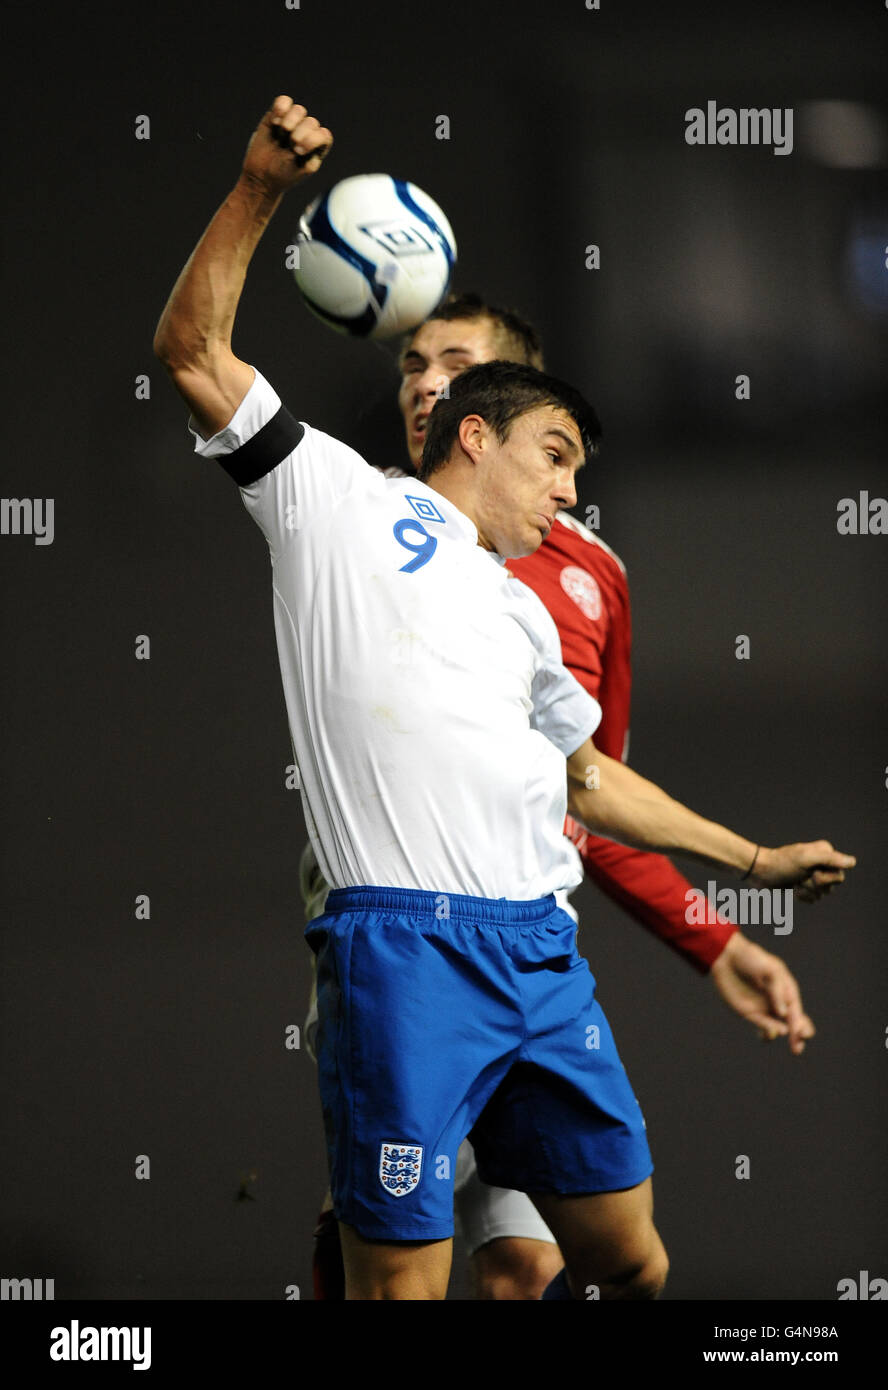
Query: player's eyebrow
[
  {"x": 418, "y": 356},
  {"x": 572, "y": 446}
]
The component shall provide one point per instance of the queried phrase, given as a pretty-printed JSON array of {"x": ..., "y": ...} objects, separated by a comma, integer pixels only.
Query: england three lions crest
[{"x": 399, "y": 1168}]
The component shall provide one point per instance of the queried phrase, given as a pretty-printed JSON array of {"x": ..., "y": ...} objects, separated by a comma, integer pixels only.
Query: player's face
[
  {"x": 438, "y": 352},
  {"x": 521, "y": 482}
]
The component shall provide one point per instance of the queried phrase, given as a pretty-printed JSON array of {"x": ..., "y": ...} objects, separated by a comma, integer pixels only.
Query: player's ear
[{"x": 472, "y": 435}]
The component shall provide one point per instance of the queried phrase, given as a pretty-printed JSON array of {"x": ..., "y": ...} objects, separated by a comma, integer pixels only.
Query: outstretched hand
[
  {"x": 759, "y": 987},
  {"x": 813, "y": 869}
]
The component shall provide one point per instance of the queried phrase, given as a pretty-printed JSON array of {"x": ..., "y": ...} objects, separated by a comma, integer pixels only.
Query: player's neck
[{"x": 459, "y": 495}]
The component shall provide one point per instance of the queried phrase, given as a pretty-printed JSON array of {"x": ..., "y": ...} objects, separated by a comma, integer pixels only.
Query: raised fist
[{"x": 287, "y": 146}]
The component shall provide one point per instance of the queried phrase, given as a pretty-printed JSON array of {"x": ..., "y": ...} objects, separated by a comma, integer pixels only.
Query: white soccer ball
[{"x": 375, "y": 256}]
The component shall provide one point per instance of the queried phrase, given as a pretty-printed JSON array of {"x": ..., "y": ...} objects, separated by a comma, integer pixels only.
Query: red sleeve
[
  {"x": 583, "y": 585},
  {"x": 647, "y": 885},
  {"x": 653, "y": 891}
]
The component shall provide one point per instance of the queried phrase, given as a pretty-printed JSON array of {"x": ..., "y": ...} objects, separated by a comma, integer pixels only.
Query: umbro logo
[{"x": 425, "y": 509}]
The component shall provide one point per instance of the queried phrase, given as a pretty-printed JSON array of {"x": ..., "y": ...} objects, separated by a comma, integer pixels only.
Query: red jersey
[{"x": 583, "y": 585}]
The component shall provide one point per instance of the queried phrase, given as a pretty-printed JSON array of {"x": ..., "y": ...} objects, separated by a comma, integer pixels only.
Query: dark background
[{"x": 166, "y": 777}]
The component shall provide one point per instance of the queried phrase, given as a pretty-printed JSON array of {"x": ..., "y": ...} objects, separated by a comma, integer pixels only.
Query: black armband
[{"x": 268, "y": 447}]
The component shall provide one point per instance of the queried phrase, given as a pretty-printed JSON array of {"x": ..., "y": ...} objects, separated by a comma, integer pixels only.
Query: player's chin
[{"x": 526, "y": 544}]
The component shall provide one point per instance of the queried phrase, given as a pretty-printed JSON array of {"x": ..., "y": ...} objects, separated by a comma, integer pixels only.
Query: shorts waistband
[{"x": 414, "y": 902}]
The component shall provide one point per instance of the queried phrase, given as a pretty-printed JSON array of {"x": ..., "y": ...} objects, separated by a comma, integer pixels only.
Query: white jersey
[{"x": 429, "y": 709}]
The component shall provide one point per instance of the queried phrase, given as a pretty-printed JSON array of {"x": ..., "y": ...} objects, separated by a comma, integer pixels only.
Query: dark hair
[
  {"x": 499, "y": 392},
  {"x": 515, "y": 339}
]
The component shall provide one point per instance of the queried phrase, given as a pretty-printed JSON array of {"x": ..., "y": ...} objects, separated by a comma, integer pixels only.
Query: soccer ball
[{"x": 375, "y": 256}]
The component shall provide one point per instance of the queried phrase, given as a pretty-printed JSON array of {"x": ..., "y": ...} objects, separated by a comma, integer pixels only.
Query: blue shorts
[{"x": 442, "y": 1016}]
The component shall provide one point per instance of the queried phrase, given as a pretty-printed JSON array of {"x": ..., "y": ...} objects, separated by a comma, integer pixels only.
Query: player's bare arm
[
  {"x": 610, "y": 799},
  {"x": 193, "y": 337}
]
